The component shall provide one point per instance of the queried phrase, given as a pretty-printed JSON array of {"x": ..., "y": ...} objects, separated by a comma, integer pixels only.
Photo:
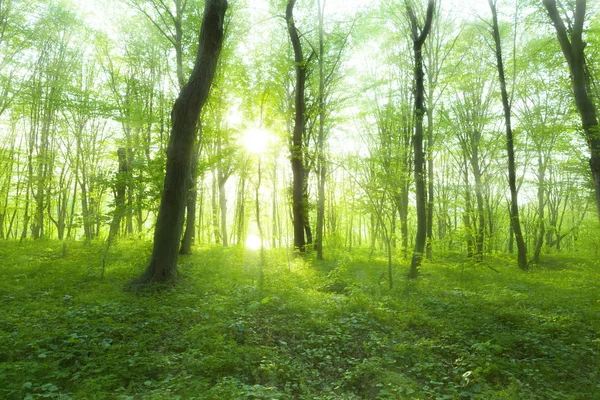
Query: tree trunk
[
  {"x": 307, "y": 229},
  {"x": 188, "y": 236},
  {"x": 185, "y": 114},
  {"x": 240, "y": 216},
  {"x": 223, "y": 210},
  {"x": 321, "y": 172},
  {"x": 514, "y": 207},
  {"x": 419, "y": 111},
  {"x": 296, "y": 151},
  {"x": 468, "y": 211},
  {"x": 214, "y": 208},
  {"x": 480, "y": 231},
  {"x": 402, "y": 205},
  {"x": 276, "y": 234},
  {"x": 120, "y": 188},
  {"x": 430, "y": 194},
  {"x": 573, "y": 50},
  {"x": 542, "y": 221}
]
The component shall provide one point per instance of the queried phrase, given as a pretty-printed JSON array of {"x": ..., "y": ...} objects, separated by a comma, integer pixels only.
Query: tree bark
[
  {"x": 185, "y": 114},
  {"x": 298, "y": 206},
  {"x": 419, "y": 111},
  {"x": 514, "y": 208},
  {"x": 573, "y": 50}
]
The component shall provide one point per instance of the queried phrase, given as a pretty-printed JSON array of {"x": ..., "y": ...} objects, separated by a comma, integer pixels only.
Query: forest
[{"x": 312, "y": 199}]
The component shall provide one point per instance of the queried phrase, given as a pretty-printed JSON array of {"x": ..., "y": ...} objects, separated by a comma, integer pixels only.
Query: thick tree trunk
[
  {"x": 185, "y": 114},
  {"x": 419, "y": 111},
  {"x": 296, "y": 151},
  {"x": 514, "y": 208},
  {"x": 573, "y": 50}
]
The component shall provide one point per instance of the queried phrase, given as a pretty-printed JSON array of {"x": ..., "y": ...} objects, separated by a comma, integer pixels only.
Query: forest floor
[{"x": 327, "y": 330}]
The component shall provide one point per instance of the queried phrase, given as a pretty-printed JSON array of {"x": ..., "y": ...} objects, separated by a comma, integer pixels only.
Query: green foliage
[{"x": 329, "y": 330}]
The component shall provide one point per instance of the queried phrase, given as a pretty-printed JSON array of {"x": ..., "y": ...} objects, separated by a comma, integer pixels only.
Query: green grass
[{"x": 330, "y": 330}]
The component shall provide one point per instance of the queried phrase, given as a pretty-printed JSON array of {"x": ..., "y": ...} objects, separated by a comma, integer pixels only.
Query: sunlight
[
  {"x": 256, "y": 140},
  {"x": 253, "y": 242}
]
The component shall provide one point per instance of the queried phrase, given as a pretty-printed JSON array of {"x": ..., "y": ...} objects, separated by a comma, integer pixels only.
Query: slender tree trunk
[
  {"x": 130, "y": 200},
  {"x": 541, "y": 204},
  {"x": 511, "y": 233},
  {"x": 468, "y": 211},
  {"x": 200, "y": 227},
  {"x": 82, "y": 181},
  {"x": 259, "y": 225},
  {"x": 430, "y": 187},
  {"x": 120, "y": 188},
  {"x": 307, "y": 229},
  {"x": 480, "y": 231},
  {"x": 223, "y": 212},
  {"x": 274, "y": 213},
  {"x": 215, "y": 209},
  {"x": 185, "y": 114},
  {"x": 37, "y": 227},
  {"x": 402, "y": 205},
  {"x": 296, "y": 149},
  {"x": 514, "y": 207},
  {"x": 188, "y": 236},
  {"x": 241, "y": 210},
  {"x": 419, "y": 112},
  {"x": 321, "y": 171}
]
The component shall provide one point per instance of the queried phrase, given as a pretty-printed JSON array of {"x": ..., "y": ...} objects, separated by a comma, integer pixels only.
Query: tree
[
  {"x": 418, "y": 36},
  {"x": 184, "y": 118},
  {"x": 571, "y": 42},
  {"x": 296, "y": 148},
  {"x": 514, "y": 207}
]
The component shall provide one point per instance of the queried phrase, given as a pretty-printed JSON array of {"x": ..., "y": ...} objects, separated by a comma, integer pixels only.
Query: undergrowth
[{"x": 327, "y": 330}]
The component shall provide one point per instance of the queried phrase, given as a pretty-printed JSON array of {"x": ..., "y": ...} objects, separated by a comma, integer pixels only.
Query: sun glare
[
  {"x": 253, "y": 242},
  {"x": 256, "y": 140}
]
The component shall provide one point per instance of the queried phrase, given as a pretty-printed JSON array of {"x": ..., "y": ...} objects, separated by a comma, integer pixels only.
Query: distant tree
[{"x": 185, "y": 114}]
